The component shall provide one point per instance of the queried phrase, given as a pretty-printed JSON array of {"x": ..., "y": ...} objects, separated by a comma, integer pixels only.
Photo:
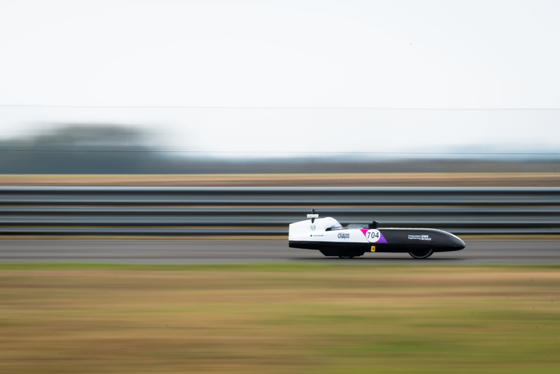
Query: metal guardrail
[{"x": 269, "y": 210}]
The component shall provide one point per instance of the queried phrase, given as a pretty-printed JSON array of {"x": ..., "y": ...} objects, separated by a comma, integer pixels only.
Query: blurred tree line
[{"x": 113, "y": 149}]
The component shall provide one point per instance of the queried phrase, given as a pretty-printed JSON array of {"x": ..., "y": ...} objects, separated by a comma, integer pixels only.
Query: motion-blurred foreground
[{"x": 278, "y": 318}]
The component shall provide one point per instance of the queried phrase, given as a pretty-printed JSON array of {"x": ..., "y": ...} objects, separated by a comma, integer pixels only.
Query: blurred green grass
[{"x": 277, "y": 318}]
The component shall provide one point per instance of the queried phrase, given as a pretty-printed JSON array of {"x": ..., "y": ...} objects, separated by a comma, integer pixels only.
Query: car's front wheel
[
  {"x": 350, "y": 255},
  {"x": 341, "y": 254},
  {"x": 421, "y": 254}
]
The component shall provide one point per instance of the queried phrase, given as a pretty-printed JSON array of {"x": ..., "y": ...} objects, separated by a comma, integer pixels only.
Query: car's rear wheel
[
  {"x": 421, "y": 254},
  {"x": 346, "y": 257}
]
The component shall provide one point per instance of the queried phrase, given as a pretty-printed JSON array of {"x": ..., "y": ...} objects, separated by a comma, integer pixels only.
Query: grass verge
[{"x": 276, "y": 318}]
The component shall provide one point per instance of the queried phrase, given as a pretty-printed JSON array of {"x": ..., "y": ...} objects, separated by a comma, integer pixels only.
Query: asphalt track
[{"x": 242, "y": 251}]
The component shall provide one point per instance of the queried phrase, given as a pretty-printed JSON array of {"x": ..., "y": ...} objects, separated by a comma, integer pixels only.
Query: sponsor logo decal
[
  {"x": 313, "y": 227},
  {"x": 343, "y": 235},
  {"x": 419, "y": 237}
]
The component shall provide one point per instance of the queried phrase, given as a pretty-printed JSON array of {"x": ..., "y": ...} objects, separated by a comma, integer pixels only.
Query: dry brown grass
[
  {"x": 312, "y": 180},
  {"x": 278, "y": 318}
]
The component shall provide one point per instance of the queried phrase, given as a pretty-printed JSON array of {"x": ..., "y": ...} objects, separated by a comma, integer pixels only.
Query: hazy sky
[{"x": 289, "y": 54}]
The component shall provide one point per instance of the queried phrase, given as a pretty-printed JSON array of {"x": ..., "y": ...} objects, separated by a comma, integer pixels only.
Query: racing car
[{"x": 329, "y": 237}]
